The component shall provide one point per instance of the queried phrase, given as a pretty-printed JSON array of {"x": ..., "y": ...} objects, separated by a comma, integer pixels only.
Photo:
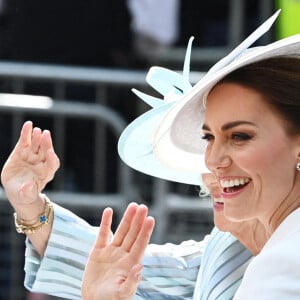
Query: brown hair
[{"x": 278, "y": 80}]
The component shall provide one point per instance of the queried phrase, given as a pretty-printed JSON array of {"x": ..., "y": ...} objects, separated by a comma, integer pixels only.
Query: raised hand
[
  {"x": 30, "y": 166},
  {"x": 113, "y": 270}
]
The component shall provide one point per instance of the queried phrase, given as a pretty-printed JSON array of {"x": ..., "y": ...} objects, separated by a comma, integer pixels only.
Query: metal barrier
[
  {"x": 92, "y": 203},
  {"x": 18, "y": 105}
]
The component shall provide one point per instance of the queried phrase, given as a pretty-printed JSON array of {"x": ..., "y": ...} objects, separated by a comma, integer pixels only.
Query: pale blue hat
[
  {"x": 135, "y": 144},
  {"x": 165, "y": 142}
]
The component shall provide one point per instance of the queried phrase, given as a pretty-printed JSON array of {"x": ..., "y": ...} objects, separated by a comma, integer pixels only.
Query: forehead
[{"x": 230, "y": 101}]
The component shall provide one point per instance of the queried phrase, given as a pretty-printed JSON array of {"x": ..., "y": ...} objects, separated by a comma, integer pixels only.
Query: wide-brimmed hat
[
  {"x": 167, "y": 139},
  {"x": 135, "y": 143}
]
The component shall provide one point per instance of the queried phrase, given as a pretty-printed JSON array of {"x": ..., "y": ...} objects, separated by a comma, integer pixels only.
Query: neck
[
  {"x": 284, "y": 210},
  {"x": 252, "y": 234}
]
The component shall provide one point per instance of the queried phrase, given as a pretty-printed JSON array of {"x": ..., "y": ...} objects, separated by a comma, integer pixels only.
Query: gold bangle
[{"x": 44, "y": 219}]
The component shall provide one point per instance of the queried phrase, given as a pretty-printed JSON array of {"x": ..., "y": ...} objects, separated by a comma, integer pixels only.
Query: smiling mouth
[
  {"x": 234, "y": 185},
  {"x": 219, "y": 202}
]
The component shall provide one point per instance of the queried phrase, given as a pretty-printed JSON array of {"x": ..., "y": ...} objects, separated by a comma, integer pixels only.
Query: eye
[
  {"x": 207, "y": 136},
  {"x": 240, "y": 136}
]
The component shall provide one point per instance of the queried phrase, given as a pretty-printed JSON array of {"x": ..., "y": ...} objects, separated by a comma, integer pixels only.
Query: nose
[{"x": 217, "y": 157}]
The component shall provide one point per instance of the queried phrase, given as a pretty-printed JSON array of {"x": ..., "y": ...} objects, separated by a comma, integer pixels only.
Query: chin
[
  {"x": 235, "y": 215},
  {"x": 221, "y": 224}
]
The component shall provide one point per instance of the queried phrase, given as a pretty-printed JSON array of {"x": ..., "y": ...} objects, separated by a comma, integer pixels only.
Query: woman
[
  {"x": 248, "y": 109},
  {"x": 244, "y": 137},
  {"x": 180, "y": 150},
  {"x": 33, "y": 163},
  {"x": 252, "y": 128}
]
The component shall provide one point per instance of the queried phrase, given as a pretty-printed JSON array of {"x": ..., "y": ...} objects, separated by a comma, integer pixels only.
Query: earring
[
  {"x": 298, "y": 166},
  {"x": 204, "y": 192}
]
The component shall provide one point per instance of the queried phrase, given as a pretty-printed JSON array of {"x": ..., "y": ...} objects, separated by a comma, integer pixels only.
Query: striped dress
[{"x": 170, "y": 271}]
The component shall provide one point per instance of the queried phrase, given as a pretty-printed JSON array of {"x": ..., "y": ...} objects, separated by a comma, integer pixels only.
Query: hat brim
[
  {"x": 177, "y": 141},
  {"x": 135, "y": 147}
]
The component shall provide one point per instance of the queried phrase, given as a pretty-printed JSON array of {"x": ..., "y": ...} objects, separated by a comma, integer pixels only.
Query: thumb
[
  {"x": 28, "y": 192},
  {"x": 128, "y": 288}
]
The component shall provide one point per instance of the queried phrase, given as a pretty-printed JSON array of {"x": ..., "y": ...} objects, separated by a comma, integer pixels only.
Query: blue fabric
[{"x": 170, "y": 271}]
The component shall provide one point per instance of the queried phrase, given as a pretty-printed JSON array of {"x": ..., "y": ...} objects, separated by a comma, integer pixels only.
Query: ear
[{"x": 297, "y": 148}]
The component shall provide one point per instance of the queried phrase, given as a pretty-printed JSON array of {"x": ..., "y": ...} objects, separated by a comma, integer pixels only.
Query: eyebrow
[{"x": 230, "y": 125}]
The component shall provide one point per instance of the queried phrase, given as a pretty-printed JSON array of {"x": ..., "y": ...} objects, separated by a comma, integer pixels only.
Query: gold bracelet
[{"x": 45, "y": 218}]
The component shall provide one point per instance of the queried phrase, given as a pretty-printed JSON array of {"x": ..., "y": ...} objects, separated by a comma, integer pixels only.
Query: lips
[
  {"x": 235, "y": 184},
  {"x": 233, "y": 189},
  {"x": 218, "y": 201},
  {"x": 218, "y": 204}
]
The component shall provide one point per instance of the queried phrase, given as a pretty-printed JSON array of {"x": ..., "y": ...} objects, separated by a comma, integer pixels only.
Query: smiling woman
[
  {"x": 247, "y": 106},
  {"x": 252, "y": 129},
  {"x": 246, "y": 136}
]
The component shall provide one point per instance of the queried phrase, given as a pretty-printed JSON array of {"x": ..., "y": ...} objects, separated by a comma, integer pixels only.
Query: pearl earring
[
  {"x": 204, "y": 192},
  {"x": 298, "y": 166}
]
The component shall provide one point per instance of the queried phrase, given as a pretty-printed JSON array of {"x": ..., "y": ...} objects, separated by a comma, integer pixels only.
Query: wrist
[
  {"x": 28, "y": 212},
  {"x": 30, "y": 226}
]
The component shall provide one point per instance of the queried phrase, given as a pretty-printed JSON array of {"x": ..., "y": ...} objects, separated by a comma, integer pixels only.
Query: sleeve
[
  {"x": 59, "y": 272},
  {"x": 170, "y": 271}
]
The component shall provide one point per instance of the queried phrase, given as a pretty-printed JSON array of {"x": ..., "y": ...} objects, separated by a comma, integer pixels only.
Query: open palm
[
  {"x": 113, "y": 270},
  {"x": 30, "y": 166}
]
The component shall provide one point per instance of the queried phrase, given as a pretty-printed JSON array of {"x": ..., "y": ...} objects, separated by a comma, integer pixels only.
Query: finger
[
  {"x": 24, "y": 140},
  {"x": 128, "y": 288},
  {"x": 28, "y": 192},
  {"x": 46, "y": 141},
  {"x": 105, "y": 228},
  {"x": 36, "y": 140},
  {"x": 142, "y": 241},
  {"x": 51, "y": 161},
  {"x": 135, "y": 227},
  {"x": 28, "y": 189},
  {"x": 125, "y": 224},
  {"x": 25, "y": 135},
  {"x": 50, "y": 157}
]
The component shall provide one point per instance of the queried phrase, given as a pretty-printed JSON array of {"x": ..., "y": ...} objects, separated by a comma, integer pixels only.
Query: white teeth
[
  {"x": 233, "y": 182},
  {"x": 218, "y": 200}
]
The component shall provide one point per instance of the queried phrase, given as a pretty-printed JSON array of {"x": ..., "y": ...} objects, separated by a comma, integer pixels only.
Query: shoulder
[{"x": 275, "y": 272}]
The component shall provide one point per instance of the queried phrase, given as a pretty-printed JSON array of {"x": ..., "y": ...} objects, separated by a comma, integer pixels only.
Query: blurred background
[{"x": 69, "y": 65}]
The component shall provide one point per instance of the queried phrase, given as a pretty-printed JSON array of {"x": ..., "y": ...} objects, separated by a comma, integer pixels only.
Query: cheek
[
  {"x": 271, "y": 166},
  {"x": 206, "y": 156},
  {"x": 220, "y": 221}
]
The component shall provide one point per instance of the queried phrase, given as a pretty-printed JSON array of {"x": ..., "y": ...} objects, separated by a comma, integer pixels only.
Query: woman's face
[
  {"x": 250, "y": 153},
  {"x": 218, "y": 204}
]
